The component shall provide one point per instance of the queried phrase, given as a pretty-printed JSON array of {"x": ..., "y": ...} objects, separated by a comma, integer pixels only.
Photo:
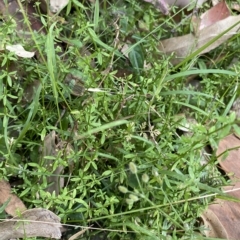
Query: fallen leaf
[
  {"x": 19, "y": 51},
  {"x": 215, "y": 2},
  {"x": 57, "y": 5},
  {"x": 213, "y": 225},
  {"x": 15, "y": 205},
  {"x": 236, "y": 108},
  {"x": 163, "y": 5},
  {"x": 215, "y": 14},
  {"x": 185, "y": 45},
  {"x": 231, "y": 162},
  {"x": 36, "y": 222},
  {"x": 235, "y": 6},
  {"x": 184, "y": 3},
  {"x": 222, "y": 219},
  {"x": 55, "y": 181}
]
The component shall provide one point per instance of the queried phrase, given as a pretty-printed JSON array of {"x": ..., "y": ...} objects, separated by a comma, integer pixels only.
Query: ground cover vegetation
[{"x": 110, "y": 138}]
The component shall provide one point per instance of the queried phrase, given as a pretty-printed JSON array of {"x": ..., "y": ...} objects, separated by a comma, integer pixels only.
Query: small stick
[{"x": 78, "y": 233}]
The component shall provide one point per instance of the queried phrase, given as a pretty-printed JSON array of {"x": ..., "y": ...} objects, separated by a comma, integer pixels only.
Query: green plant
[{"x": 126, "y": 166}]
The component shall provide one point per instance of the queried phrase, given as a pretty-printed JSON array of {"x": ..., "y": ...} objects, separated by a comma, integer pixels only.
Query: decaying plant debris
[{"x": 32, "y": 223}]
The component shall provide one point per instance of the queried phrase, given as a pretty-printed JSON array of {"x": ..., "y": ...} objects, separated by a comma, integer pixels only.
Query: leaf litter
[
  {"x": 15, "y": 205},
  {"x": 212, "y": 23},
  {"x": 36, "y": 222},
  {"x": 222, "y": 218},
  {"x": 214, "y": 28}
]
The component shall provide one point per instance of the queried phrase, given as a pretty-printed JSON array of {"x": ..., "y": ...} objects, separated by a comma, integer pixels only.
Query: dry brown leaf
[
  {"x": 15, "y": 205},
  {"x": 36, "y": 222},
  {"x": 185, "y": 45},
  {"x": 215, "y": 14},
  {"x": 223, "y": 218},
  {"x": 213, "y": 225},
  {"x": 231, "y": 163},
  {"x": 49, "y": 149}
]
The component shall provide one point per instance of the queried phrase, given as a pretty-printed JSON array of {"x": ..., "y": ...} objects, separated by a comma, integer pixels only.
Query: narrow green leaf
[{"x": 96, "y": 15}]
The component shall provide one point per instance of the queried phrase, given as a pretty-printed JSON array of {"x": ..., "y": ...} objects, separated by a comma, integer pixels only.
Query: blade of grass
[
  {"x": 33, "y": 110},
  {"x": 192, "y": 107},
  {"x": 194, "y": 54},
  {"x": 200, "y": 71},
  {"x": 96, "y": 15},
  {"x": 103, "y": 127}
]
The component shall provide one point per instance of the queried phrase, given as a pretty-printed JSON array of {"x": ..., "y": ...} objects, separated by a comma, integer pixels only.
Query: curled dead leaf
[
  {"x": 213, "y": 225},
  {"x": 36, "y": 222},
  {"x": 15, "y": 205},
  {"x": 222, "y": 218}
]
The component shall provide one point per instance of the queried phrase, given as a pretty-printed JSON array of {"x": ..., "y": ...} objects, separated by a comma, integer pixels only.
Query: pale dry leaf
[
  {"x": 57, "y": 5},
  {"x": 215, "y": 2},
  {"x": 36, "y": 222},
  {"x": 164, "y": 5},
  {"x": 15, "y": 205},
  {"x": 55, "y": 181},
  {"x": 235, "y": 6},
  {"x": 236, "y": 108},
  {"x": 185, "y": 45},
  {"x": 19, "y": 51},
  {"x": 184, "y": 3}
]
